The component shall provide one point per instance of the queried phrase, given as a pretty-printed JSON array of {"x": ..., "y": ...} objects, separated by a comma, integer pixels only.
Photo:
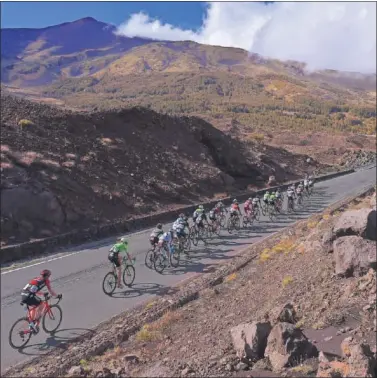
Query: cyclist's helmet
[
  {"x": 250, "y": 199},
  {"x": 124, "y": 240},
  {"x": 278, "y": 189},
  {"x": 201, "y": 207},
  {"x": 182, "y": 216},
  {"x": 267, "y": 192},
  {"x": 46, "y": 273},
  {"x": 159, "y": 226},
  {"x": 235, "y": 201}
]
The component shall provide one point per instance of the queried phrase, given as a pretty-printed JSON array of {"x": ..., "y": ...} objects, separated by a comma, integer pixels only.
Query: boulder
[
  {"x": 360, "y": 358},
  {"x": 360, "y": 222},
  {"x": 287, "y": 346},
  {"x": 327, "y": 241},
  {"x": 75, "y": 371},
  {"x": 250, "y": 339},
  {"x": 354, "y": 256},
  {"x": 287, "y": 314}
]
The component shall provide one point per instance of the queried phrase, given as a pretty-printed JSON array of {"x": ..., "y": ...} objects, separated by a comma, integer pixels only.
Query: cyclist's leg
[{"x": 118, "y": 264}]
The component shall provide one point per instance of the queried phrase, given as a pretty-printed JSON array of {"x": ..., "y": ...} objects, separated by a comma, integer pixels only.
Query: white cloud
[{"x": 335, "y": 35}]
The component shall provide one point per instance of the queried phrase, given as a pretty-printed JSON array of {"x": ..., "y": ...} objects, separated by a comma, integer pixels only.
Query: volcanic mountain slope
[
  {"x": 100, "y": 70},
  {"x": 62, "y": 170}
]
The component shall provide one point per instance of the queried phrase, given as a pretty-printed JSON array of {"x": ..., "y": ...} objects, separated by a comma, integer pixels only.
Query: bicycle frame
[{"x": 46, "y": 309}]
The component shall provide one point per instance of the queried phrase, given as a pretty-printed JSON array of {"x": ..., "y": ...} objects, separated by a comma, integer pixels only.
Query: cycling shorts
[
  {"x": 30, "y": 300},
  {"x": 114, "y": 258}
]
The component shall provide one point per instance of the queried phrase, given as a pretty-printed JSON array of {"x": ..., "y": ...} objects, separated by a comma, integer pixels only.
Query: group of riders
[{"x": 159, "y": 238}]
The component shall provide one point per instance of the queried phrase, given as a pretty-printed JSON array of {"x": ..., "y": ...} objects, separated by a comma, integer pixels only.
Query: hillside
[
  {"x": 301, "y": 303},
  {"x": 222, "y": 85},
  {"x": 63, "y": 170}
]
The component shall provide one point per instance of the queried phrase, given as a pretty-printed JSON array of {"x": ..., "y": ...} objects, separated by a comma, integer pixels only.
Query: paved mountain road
[{"x": 78, "y": 272}]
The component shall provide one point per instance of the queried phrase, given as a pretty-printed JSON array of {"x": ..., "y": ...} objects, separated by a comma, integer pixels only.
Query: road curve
[{"x": 78, "y": 272}]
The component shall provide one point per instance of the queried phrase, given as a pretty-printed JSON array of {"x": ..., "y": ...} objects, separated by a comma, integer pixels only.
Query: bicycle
[
  {"x": 290, "y": 205},
  {"x": 52, "y": 311},
  {"x": 271, "y": 211},
  {"x": 160, "y": 263},
  {"x": 248, "y": 219},
  {"x": 111, "y": 278},
  {"x": 300, "y": 201},
  {"x": 233, "y": 223}
]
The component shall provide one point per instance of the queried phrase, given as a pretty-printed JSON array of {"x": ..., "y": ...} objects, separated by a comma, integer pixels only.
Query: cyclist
[
  {"x": 29, "y": 296},
  {"x": 306, "y": 184},
  {"x": 166, "y": 239},
  {"x": 221, "y": 206},
  {"x": 266, "y": 197},
  {"x": 179, "y": 226},
  {"x": 255, "y": 202},
  {"x": 271, "y": 200},
  {"x": 290, "y": 196},
  {"x": 199, "y": 216},
  {"x": 120, "y": 246},
  {"x": 299, "y": 190},
  {"x": 235, "y": 209},
  {"x": 156, "y": 233},
  {"x": 248, "y": 207}
]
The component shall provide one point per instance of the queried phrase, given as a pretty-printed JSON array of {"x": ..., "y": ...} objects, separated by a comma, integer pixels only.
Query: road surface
[{"x": 78, "y": 272}]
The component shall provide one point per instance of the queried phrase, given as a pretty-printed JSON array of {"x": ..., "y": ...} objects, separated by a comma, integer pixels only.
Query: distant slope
[
  {"x": 83, "y": 64},
  {"x": 40, "y": 56}
]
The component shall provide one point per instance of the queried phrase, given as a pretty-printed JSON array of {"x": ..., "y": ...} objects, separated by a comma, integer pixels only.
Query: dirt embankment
[
  {"x": 305, "y": 306},
  {"x": 62, "y": 170}
]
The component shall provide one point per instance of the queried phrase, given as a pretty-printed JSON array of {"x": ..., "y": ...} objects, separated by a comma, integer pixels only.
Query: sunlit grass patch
[
  {"x": 231, "y": 277},
  {"x": 287, "y": 281},
  {"x": 265, "y": 255}
]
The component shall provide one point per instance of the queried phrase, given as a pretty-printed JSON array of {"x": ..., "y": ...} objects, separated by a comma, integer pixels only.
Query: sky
[{"x": 334, "y": 35}]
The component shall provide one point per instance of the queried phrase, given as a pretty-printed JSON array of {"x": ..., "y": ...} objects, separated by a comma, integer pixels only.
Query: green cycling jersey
[{"x": 119, "y": 247}]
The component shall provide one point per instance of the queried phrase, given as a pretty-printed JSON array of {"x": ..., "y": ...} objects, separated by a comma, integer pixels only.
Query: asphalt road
[{"x": 78, "y": 272}]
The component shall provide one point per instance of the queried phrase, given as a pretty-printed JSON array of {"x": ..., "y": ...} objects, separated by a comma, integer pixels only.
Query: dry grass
[
  {"x": 154, "y": 331},
  {"x": 287, "y": 281},
  {"x": 25, "y": 123},
  {"x": 231, "y": 277},
  {"x": 304, "y": 369}
]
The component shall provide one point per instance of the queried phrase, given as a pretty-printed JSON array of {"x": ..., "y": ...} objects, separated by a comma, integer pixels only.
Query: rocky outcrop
[
  {"x": 360, "y": 222},
  {"x": 288, "y": 346},
  {"x": 354, "y": 256},
  {"x": 250, "y": 339}
]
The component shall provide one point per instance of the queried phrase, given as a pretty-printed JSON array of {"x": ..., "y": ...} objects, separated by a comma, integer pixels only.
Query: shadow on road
[{"x": 55, "y": 340}]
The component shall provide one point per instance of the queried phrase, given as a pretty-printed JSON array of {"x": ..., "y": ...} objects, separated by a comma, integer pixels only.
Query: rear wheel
[
  {"x": 51, "y": 320},
  {"x": 175, "y": 256},
  {"x": 19, "y": 334},
  {"x": 109, "y": 283},
  {"x": 160, "y": 263}
]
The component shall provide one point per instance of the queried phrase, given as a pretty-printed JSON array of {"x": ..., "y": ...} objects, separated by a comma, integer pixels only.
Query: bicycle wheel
[
  {"x": 160, "y": 263},
  {"x": 245, "y": 221},
  {"x": 55, "y": 315},
  {"x": 263, "y": 208},
  {"x": 257, "y": 214},
  {"x": 194, "y": 236},
  {"x": 230, "y": 225},
  {"x": 175, "y": 257},
  {"x": 272, "y": 213},
  {"x": 19, "y": 334},
  {"x": 187, "y": 244},
  {"x": 128, "y": 275},
  {"x": 217, "y": 229},
  {"x": 222, "y": 221},
  {"x": 109, "y": 283},
  {"x": 149, "y": 258}
]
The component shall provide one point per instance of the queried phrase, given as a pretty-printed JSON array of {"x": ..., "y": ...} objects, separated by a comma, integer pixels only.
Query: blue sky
[{"x": 186, "y": 15}]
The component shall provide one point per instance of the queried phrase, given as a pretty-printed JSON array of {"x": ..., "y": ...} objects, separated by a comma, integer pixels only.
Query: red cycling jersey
[
  {"x": 235, "y": 207},
  {"x": 248, "y": 205},
  {"x": 36, "y": 285}
]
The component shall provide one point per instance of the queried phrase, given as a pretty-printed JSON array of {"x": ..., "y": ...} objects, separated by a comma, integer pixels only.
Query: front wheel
[
  {"x": 55, "y": 315},
  {"x": 160, "y": 263},
  {"x": 149, "y": 258},
  {"x": 109, "y": 283},
  {"x": 175, "y": 256},
  {"x": 128, "y": 275},
  {"x": 19, "y": 334}
]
